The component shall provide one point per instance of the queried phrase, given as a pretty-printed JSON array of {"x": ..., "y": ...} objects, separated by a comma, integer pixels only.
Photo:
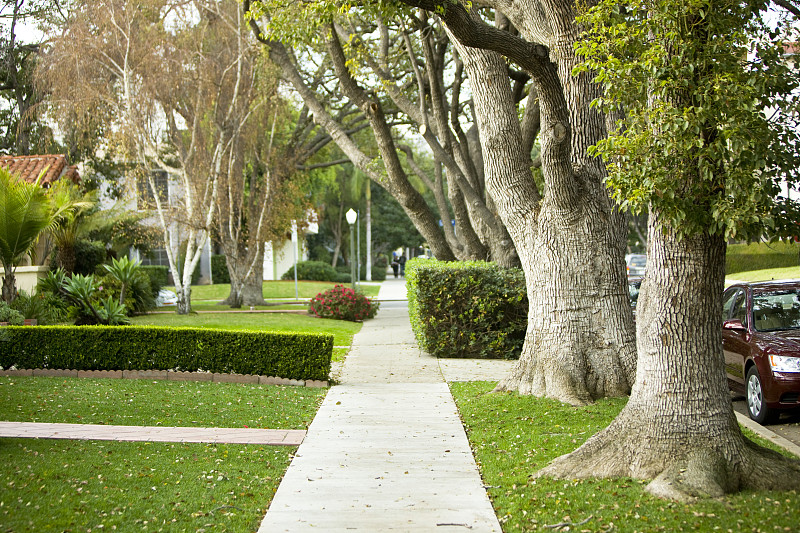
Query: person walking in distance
[{"x": 402, "y": 262}]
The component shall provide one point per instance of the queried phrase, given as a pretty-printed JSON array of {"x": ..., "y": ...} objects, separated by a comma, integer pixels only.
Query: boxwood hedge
[
  {"x": 286, "y": 355},
  {"x": 468, "y": 309}
]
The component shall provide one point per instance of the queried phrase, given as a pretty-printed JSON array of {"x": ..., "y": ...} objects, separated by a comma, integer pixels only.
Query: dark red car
[{"x": 761, "y": 341}]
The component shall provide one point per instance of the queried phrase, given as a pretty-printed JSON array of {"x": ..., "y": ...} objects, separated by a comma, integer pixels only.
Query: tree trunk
[
  {"x": 580, "y": 340},
  {"x": 253, "y": 289},
  {"x": 184, "y": 305},
  {"x": 9, "y": 286},
  {"x": 678, "y": 427}
]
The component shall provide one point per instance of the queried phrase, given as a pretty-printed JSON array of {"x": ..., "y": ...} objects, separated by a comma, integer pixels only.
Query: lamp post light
[{"x": 351, "y": 217}]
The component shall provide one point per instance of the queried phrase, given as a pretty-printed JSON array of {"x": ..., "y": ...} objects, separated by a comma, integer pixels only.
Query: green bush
[
  {"x": 378, "y": 273},
  {"x": 43, "y": 307},
  {"x": 342, "y": 303},
  {"x": 88, "y": 256},
  {"x": 138, "y": 295},
  {"x": 159, "y": 276},
  {"x": 312, "y": 271},
  {"x": 219, "y": 269},
  {"x": 761, "y": 256},
  {"x": 12, "y": 316},
  {"x": 467, "y": 309},
  {"x": 287, "y": 355}
]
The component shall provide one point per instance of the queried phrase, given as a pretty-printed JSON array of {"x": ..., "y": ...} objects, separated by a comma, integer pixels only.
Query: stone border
[{"x": 169, "y": 375}]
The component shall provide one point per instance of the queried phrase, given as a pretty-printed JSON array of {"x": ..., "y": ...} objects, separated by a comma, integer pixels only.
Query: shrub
[
  {"x": 288, "y": 355},
  {"x": 138, "y": 295},
  {"x": 219, "y": 269},
  {"x": 88, "y": 256},
  {"x": 12, "y": 316},
  {"x": 760, "y": 256},
  {"x": 41, "y": 306},
  {"x": 378, "y": 273},
  {"x": 468, "y": 309},
  {"x": 342, "y": 303},
  {"x": 159, "y": 276},
  {"x": 312, "y": 271}
]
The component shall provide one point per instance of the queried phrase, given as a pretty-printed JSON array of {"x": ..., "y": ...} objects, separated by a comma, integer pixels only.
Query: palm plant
[
  {"x": 124, "y": 270},
  {"x": 26, "y": 212}
]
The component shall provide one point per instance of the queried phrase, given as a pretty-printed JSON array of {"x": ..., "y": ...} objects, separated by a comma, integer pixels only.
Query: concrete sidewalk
[
  {"x": 35, "y": 430},
  {"x": 386, "y": 451}
]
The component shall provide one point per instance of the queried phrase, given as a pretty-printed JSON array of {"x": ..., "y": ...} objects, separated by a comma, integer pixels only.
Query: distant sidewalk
[{"x": 393, "y": 289}]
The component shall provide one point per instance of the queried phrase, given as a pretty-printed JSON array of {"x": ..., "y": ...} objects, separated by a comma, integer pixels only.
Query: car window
[
  {"x": 728, "y": 297},
  {"x": 739, "y": 308},
  {"x": 776, "y": 310},
  {"x": 638, "y": 262}
]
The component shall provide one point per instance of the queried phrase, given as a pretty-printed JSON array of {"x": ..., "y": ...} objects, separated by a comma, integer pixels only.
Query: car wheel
[{"x": 756, "y": 407}]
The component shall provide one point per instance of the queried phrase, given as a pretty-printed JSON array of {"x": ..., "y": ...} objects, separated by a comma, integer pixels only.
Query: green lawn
[
  {"x": 63, "y": 485},
  {"x": 767, "y": 274},
  {"x": 274, "y": 290},
  {"x": 513, "y": 436},
  {"x": 133, "y": 402},
  {"x": 342, "y": 330}
]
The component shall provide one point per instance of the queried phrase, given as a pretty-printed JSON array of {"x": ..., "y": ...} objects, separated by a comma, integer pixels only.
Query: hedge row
[
  {"x": 760, "y": 256},
  {"x": 287, "y": 355},
  {"x": 467, "y": 309}
]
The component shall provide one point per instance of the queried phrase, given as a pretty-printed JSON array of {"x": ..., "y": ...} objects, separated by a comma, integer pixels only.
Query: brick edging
[{"x": 169, "y": 375}]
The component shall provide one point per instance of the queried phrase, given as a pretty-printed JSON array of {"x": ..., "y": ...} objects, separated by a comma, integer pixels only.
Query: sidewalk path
[
  {"x": 386, "y": 451},
  {"x": 273, "y": 437}
]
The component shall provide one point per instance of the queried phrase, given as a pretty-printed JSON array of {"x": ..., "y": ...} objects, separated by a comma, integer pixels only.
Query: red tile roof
[{"x": 28, "y": 167}]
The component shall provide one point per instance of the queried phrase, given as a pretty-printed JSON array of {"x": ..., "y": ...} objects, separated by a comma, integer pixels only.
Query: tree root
[{"x": 686, "y": 471}]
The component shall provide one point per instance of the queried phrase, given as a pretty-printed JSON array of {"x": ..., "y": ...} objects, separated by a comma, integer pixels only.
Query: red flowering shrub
[{"x": 342, "y": 303}]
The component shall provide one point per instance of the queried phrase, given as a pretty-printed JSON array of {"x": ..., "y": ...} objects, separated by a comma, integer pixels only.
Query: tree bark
[
  {"x": 678, "y": 427},
  {"x": 580, "y": 344}
]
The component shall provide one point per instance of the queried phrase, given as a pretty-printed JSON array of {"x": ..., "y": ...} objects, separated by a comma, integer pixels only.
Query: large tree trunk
[
  {"x": 580, "y": 341},
  {"x": 678, "y": 427},
  {"x": 253, "y": 290}
]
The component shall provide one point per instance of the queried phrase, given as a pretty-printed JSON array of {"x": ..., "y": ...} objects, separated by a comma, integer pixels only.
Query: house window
[
  {"x": 145, "y": 198},
  {"x": 157, "y": 256}
]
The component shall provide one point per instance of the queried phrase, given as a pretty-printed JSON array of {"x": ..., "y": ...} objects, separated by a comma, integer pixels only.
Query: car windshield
[
  {"x": 638, "y": 261},
  {"x": 776, "y": 310}
]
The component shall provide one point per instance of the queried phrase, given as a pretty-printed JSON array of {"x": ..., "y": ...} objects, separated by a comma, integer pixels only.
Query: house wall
[
  {"x": 279, "y": 258},
  {"x": 28, "y": 277}
]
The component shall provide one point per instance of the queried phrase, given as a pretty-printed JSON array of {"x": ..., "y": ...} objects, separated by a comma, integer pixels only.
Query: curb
[
  {"x": 768, "y": 434},
  {"x": 168, "y": 375}
]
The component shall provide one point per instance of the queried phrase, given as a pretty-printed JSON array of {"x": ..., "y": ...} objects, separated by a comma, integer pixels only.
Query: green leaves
[{"x": 708, "y": 133}]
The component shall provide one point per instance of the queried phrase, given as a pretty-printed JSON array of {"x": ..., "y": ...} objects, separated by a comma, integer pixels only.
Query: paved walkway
[
  {"x": 273, "y": 437},
  {"x": 386, "y": 451}
]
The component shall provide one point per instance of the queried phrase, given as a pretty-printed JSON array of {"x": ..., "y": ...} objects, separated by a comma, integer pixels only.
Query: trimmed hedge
[
  {"x": 469, "y": 309},
  {"x": 286, "y": 355},
  {"x": 219, "y": 269},
  {"x": 761, "y": 256},
  {"x": 312, "y": 271}
]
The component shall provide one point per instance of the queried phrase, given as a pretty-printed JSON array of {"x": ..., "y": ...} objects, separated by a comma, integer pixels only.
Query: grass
[
  {"x": 342, "y": 330},
  {"x": 57, "y": 485},
  {"x": 513, "y": 436},
  {"x": 60, "y": 485},
  {"x": 134, "y": 402},
  {"x": 768, "y": 274},
  {"x": 274, "y": 290}
]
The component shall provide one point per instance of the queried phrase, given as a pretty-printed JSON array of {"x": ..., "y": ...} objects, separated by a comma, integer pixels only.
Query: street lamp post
[{"x": 351, "y": 217}]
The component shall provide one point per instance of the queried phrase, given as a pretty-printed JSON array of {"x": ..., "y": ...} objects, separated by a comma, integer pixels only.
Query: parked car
[
  {"x": 636, "y": 264},
  {"x": 634, "y": 286},
  {"x": 166, "y": 298},
  {"x": 761, "y": 343}
]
